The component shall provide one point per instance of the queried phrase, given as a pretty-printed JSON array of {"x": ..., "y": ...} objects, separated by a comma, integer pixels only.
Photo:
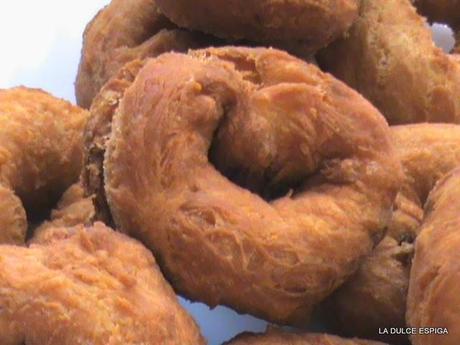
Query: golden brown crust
[
  {"x": 40, "y": 155},
  {"x": 278, "y": 337},
  {"x": 433, "y": 299},
  {"x": 97, "y": 133},
  {"x": 73, "y": 209},
  {"x": 375, "y": 297},
  {"x": 390, "y": 57},
  {"x": 125, "y": 31},
  {"x": 217, "y": 242},
  {"x": 307, "y": 23},
  {"x": 94, "y": 287}
]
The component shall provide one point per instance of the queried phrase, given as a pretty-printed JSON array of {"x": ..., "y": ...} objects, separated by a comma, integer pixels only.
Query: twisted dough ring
[
  {"x": 274, "y": 123},
  {"x": 278, "y": 337},
  {"x": 41, "y": 141},
  {"x": 93, "y": 287},
  {"x": 433, "y": 299},
  {"x": 121, "y": 32},
  {"x": 312, "y": 24},
  {"x": 389, "y": 56},
  {"x": 375, "y": 297}
]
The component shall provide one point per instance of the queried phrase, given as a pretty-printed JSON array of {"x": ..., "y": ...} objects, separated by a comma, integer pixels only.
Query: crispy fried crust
[
  {"x": 93, "y": 287},
  {"x": 40, "y": 155},
  {"x": 281, "y": 124},
  {"x": 73, "y": 209},
  {"x": 310, "y": 23},
  {"x": 390, "y": 57},
  {"x": 125, "y": 31},
  {"x": 434, "y": 299},
  {"x": 278, "y": 337},
  {"x": 375, "y": 296}
]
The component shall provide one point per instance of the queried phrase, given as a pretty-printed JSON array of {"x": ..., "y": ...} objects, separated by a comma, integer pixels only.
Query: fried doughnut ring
[
  {"x": 433, "y": 299},
  {"x": 312, "y": 24},
  {"x": 375, "y": 296},
  {"x": 276, "y": 124},
  {"x": 41, "y": 141},
  {"x": 279, "y": 337},
  {"x": 121, "y": 32},
  {"x": 390, "y": 57},
  {"x": 94, "y": 287}
]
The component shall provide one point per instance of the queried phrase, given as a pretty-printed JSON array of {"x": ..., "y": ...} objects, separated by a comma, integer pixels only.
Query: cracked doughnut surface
[
  {"x": 41, "y": 155},
  {"x": 433, "y": 299},
  {"x": 251, "y": 175},
  {"x": 389, "y": 56},
  {"x": 125, "y": 31},
  {"x": 311, "y": 24},
  {"x": 94, "y": 286},
  {"x": 375, "y": 296}
]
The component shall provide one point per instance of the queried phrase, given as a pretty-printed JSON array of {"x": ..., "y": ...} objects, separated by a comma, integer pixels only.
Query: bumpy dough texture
[
  {"x": 389, "y": 56},
  {"x": 73, "y": 209},
  {"x": 94, "y": 287},
  {"x": 41, "y": 140},
  {"x": 310, "y": 23},
  {"x": 279, "y": 127},
  {"x": 121, "y": 32},
  {"x": 375, "y": 296},
  {"x": 277, "y": 337},
  {"x": 434, "y": 299},
  {"x": 97, "y": 133}
]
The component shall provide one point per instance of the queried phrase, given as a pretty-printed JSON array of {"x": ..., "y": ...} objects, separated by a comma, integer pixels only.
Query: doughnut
[
  {"x": 433, "y": 300},
  {"x": 389, "y": 57},
  {"x": 74, "y": 208},
  {"x": 306, "y": 23},
  {"x": 41, "y": 139},
  {"x": 375, "y": 297},
  {"x": 279, "y": 337},
  {"x": 93, "y": 287},
  {"x": 250, "y": 174},
  {"x": 124, "y": 31}
]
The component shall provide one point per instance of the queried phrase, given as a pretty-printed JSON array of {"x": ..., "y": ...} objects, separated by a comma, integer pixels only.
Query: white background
[{"x": 40, "y": 42}]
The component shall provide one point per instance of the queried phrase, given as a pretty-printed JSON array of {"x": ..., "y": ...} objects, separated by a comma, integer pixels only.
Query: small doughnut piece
[
  {"x": 434, "y": 299},
  {"x": 375, "y": 297},
  {"x": 279, "y": 337},
  {"x": 95, "y": 287},
  {"x": 124, "y": 31},
  {"x": 41, "y": 155},
  {"x": 73, "y": 209},
  {"x": 312, "y": 24},
  {"x": 389, "y": 56},
  {"x": 318, "y": 153}
]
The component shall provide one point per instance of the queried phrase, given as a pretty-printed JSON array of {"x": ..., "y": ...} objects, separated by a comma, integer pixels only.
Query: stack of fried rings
[{"x": 257, "y": 180}]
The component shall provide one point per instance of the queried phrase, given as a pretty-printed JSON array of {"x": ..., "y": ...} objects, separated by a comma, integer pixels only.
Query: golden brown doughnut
[
  {"x": 310, "y": 23},
  {"x": 390, "y": 57},
  {"x": 434, "y": 299},
  {"x": 124, "y": 31},
  {"x": 94, "y": 287},
  {"x": 41, "y": 141},
  {"x": 275, "y": 125},
  {"x": 278, "y": 337},
  {"x": 375, "y": 297}
]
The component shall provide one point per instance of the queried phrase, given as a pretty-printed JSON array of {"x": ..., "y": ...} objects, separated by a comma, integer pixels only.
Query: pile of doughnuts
[{"x": 295, "y": 160}]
